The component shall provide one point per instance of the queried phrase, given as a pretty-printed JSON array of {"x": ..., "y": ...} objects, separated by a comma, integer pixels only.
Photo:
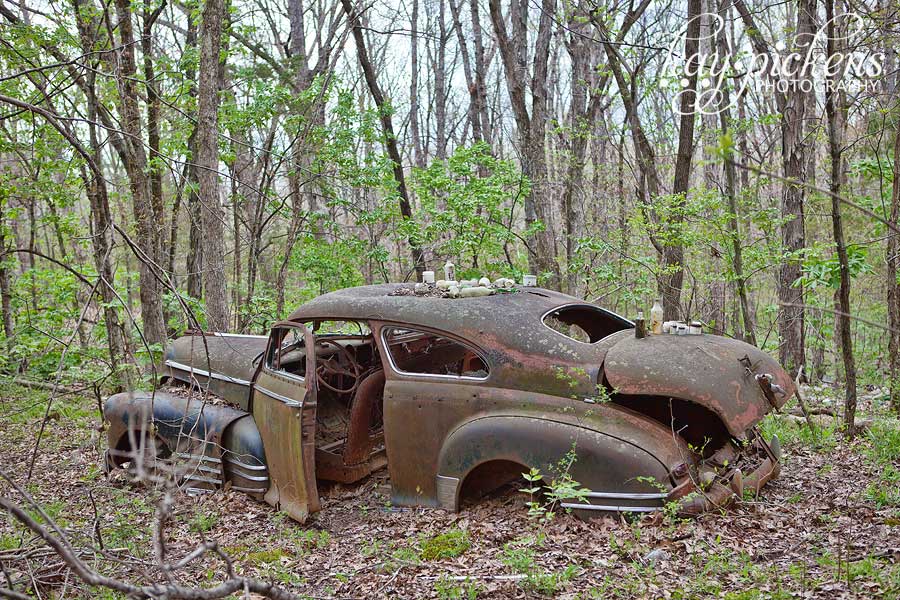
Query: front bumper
[
  {"x": 714, "y": 483},
  {"x": 728, "y": 475}
]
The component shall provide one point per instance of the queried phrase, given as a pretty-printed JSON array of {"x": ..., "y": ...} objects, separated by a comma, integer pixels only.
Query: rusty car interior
[{"x": 350, "y": 374}]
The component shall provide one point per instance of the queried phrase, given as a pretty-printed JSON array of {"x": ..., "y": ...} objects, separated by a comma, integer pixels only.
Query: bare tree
[
  {"x": 147, "y": 216},
  {"x": 892, "y": 283},
  {"x": 836, "y": 110},
  {"x": 672, "y": 260},
  {"x": 792, "y": 105},
  {"x": 387, "y": 126},
  {"x": 208, "y": 166},
  {"x": 531, "y": 124},
  {"x": 730, "y": 190}
]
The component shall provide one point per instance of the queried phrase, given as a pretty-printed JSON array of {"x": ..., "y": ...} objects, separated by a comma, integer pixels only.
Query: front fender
[
  {"x": 199, "y": 437},
  {"x": 602, "y": 463},
  {"x": 715, "y": 372}
]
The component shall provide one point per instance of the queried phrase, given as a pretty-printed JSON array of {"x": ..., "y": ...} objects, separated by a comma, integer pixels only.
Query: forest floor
[{"x": 829, "y": 527}]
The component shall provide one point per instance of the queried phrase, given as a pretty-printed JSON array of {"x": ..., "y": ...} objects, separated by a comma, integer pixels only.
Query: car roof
[
  {"x": 511, "y": 320},
  {"x": 392, "y": 302}
]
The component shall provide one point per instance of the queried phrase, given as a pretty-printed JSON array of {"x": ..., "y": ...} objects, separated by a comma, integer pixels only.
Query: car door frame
[{"x": 284, "y": 409}]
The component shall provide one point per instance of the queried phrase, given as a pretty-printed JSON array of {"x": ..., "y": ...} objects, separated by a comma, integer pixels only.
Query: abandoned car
[{"x": 457, "y": 397}]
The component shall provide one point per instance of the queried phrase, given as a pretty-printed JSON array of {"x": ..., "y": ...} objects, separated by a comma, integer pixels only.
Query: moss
[
  {"x": 450, "y": 544},
  {"x": 265, "y": 556}
]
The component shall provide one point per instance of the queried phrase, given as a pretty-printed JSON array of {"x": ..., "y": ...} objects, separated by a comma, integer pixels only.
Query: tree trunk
[
  {"x": 793, "y": 233},
  {"x": 418, "y": 157},
  {"x": 835, "y": 107},
  {"x": 440, "y": 85},
  {"x": 480, "y": 68},
  {"x": 583, "y": 108},
  {"x": 737, "y": 257},
  {"x": 135, "y": 160},
  {"x": 792, "y": 105},
  {"x": 672, "y": 259},
  {"x": 194, "y": 258},
  {"x": 207, "y": 159},
  {"x": 893, "y": 286},
  {"x": 387, "y": 126},
  {"x": 5, "y": 292},
  {"x": 531, "y": 126}
]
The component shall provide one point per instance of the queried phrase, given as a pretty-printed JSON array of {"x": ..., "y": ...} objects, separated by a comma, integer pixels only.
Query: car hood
[{"x": 718, "y": 373}]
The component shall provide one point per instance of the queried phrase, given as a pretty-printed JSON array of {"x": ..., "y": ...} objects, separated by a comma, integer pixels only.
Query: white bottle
[
  {"x": 449, "y": 271},
  {"x": 656, "y": 318}
]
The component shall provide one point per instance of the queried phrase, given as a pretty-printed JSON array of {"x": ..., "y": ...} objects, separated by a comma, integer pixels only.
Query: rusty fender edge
[{"x": 715, "y": 483}]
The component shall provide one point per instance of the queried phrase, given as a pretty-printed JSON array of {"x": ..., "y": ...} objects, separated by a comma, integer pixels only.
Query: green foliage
[
  {"x": 883, "y": 441},
  {"x": 520, "y": 557},
  {"x": 465, "y": 204},
  {"x": 203, "y": 521},
  {"x": 882, "y": 451},
  {"x": 328, "y": 264},
  {"x": 790, "y": 433},
  {"x": 543, "y": 498},
  {"x": 448, "y": 589},
  {"x": 821, "y": 267},
  {"x": 267, "y": 556}
]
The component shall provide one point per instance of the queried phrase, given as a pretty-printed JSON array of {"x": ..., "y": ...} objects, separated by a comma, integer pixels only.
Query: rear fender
[{"x": 602, "y": 463}]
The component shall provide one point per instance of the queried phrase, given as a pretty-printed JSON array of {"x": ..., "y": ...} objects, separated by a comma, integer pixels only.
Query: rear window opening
[
  {"x": 699, "y": 426},
  {"x": 584, "y": 322},
  {"x": 415, "y": 352}
]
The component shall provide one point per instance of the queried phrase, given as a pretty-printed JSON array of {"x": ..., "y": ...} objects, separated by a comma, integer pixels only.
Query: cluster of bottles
[
  {"x": 467, "y": 288},
  {"x": 660, "y": 327}
]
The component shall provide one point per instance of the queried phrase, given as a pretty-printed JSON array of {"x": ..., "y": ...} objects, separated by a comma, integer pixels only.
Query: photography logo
[{"x": 800, "y": 63}]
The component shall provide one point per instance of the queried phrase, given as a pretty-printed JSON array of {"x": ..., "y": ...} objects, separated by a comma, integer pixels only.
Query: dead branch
[{"x": 53, "y": 536}]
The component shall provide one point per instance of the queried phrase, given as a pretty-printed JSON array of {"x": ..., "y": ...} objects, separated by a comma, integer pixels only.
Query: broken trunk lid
[{"x": 717, "y": 373}]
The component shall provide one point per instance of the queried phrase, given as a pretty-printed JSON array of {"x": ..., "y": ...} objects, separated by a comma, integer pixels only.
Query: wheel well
[
  {"x": 488, "y": 477},
  {"x": 124, "y": 452},
  {"x": 700, "y": 427}
]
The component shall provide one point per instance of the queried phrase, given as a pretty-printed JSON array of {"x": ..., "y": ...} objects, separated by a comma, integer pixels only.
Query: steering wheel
[{"x": 330, "y": 366}]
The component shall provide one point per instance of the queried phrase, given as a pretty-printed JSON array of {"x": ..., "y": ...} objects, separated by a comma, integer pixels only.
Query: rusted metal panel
[
  {"x": 193, "y": 434},
  {"x": 284, "y": 408},
  {"x": 224, "y": 363},
  {"x": 464, "y": 430},
  {"x": 715, "y": 372},
  {"x": 280, "y": 423}
]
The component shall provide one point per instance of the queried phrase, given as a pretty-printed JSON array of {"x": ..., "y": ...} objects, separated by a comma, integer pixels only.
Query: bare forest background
[{"x": 169, "y": 164}]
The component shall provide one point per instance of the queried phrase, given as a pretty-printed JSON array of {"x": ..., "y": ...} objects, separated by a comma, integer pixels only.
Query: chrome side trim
[
  {"x": 250, "y": 490},
  {"x": 610, "y": 508},
  {"x": 626, "y": 496},
  {"x": 243, "y": 465},
  {"x": 202, "y": 457},
  {"x": 203, "y": 469},
  {"x": 194, "y": 370},
  {"x": 248, "y": 477},
  {"x": 279, "y": 397},
  {"x": 237, "y": 335},
  {"x": 202, "y": 479}
]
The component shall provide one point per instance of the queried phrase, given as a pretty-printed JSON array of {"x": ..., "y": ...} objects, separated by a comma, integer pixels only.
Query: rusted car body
[{"x": 457, "y": 397}]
